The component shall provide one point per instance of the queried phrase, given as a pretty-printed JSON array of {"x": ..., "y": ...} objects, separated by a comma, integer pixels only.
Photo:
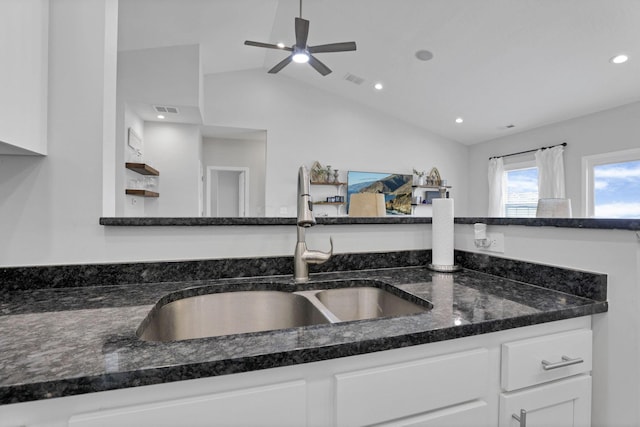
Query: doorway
[{"x": 227, "y": 191}]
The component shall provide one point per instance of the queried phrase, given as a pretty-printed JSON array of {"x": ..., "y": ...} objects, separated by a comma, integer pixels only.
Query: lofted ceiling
[{"x": 525, "y": 63}]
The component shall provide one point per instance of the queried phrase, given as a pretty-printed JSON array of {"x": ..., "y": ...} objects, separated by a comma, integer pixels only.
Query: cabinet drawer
[
  {"x": 391, "y": 392},
  {"x": 538, "y": 360}
]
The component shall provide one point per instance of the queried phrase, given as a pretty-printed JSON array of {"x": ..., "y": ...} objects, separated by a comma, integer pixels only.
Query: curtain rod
[{"x": 564, "y": 144}]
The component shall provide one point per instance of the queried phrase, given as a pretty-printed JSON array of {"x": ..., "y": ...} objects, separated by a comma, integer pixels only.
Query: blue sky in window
[
  {"x": 522, "y": 185},
  {"x": 617, "y": 190}
]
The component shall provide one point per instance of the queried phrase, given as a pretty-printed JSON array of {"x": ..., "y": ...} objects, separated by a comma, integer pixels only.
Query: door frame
[{"x": 243, "y": 187}]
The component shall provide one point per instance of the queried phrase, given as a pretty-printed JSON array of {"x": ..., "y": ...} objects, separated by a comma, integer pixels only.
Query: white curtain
[
  {"x": 496, "y": 187},
  {"x": 550, "y": 163}
]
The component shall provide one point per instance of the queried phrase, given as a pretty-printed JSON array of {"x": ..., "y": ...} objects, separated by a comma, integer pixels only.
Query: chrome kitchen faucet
[{"x": 302, "y": 256}]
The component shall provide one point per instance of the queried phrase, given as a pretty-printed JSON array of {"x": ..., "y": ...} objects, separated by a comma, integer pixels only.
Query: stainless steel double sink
[{"x": 238, "y": 312}]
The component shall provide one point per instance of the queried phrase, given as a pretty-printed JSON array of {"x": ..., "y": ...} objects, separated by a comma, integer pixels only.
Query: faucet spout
[
  {"x": 305, "y": 204},
  {"x": 302, "y": 256}
]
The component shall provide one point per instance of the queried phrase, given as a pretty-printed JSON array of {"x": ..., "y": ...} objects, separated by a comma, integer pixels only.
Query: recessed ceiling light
[
  {"x": 160, "y": 116},
  {"x": 280, "y": 45},
  {"x": 619, "y": 59},
  {"x": 459, "y": 120},
  {"x": 378, "y": 86},
  {"x": 424, "y": 55}
]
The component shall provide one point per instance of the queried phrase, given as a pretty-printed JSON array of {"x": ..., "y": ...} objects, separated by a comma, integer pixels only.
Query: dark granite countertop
[
  {"x": 62, "y": 341},
  {"x": 596, "y": 223}
]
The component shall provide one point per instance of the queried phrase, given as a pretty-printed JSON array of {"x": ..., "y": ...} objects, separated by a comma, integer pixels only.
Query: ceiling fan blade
[
  {"x": 267, "y": 45},
  {"x": 302, "y": 32},
  {"x": 319, "y": 66},
  {"x": 333, "y": 47},
  {"x": 280, "y": 65}
]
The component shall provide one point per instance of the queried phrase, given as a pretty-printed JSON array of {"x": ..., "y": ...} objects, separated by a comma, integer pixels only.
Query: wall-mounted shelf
[
  {"x": 339, "y": 188},
  {"x": 327, "y": 183},
  {"x": 142, "y": 168},
  {"x": 141, "y": 193},
  {"x": 442, "y": 189},
  {"x": 330, "y": 203}
]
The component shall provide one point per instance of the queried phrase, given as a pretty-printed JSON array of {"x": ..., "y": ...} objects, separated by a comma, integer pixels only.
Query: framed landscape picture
[{"x": 395, "y": 187}]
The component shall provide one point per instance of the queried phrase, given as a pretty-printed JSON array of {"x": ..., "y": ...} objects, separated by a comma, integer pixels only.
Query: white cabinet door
[
  {"x": 24, "y": 75},
  {"x": 558, "y": 404},
  {"x": 391, "y": 392},
  {"x": 472, "y": 414},
  {"x": 277, "y": 405}
]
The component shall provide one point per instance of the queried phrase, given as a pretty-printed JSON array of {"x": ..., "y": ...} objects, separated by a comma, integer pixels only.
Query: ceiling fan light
[{"x": 300, "y": 57}]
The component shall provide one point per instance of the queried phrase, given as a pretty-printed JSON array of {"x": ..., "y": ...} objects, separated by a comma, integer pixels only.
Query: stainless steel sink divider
[{"x": 311, "y": 296}]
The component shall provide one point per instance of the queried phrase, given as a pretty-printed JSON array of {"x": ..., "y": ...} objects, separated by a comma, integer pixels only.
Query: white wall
[
  {"x": 306, "y": 124},
  {"x": 24, "y": 27},
  {"x": 50, "y": 206},
  {"x": 616, "y": 372},
  {"x": 174, "y": 150},
  {"x": 128, "y": 205},
  {"x": 165, "y": 76},
  {"x": 611, "y": 130},
  {"x": 241, "y": 153}
]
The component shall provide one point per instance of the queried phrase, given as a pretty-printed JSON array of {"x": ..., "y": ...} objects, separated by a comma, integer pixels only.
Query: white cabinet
[
  {"x": 277, "y": 405},
  {"x": 407, "y": 389},
  {"x": 449, "y": 383},
  {"x": 24, "y": 26},
  {"x": 548, "y": 378},
  {"x": 558, "y": 404},
  {"x": 466, "y": 414}
]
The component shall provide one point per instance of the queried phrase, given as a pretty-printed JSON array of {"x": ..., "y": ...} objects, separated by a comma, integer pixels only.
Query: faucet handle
[{"x": 318, "y": 257}]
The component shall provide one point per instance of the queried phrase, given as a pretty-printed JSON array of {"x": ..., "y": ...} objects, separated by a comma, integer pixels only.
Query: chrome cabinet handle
[
  {"x": 566, "y": 361},
  {"x": 522, "y": 418}
]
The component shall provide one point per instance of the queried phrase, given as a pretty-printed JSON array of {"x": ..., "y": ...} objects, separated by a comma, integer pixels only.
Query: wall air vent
[
  {"x": 165, "y": 109},
  {"x": 353, "y": 79}
]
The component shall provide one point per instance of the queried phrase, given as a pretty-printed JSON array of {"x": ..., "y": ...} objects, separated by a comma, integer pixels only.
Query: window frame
[{"x": 588, "y": 164}]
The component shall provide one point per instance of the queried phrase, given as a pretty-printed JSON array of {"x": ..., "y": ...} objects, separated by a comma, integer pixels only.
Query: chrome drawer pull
[
  {"x": 566, "y": 361},
  {"x": 522, "y": 418}
]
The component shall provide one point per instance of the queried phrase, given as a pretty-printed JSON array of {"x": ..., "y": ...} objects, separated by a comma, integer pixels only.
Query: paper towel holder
[{"x": 444, "y": 268}]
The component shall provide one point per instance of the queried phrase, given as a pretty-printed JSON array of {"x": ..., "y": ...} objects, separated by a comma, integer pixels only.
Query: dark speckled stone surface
[
  {"x": 597, "y": 223},
  {"x": 59, "y": 341}
]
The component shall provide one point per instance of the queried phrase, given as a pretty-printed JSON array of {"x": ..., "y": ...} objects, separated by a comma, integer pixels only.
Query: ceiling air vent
[
  {"x": 353, "y": 79},
  {"x": 165, "y": 109}
]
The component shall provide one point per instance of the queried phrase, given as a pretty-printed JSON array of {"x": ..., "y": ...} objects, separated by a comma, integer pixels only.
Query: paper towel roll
[{"x": 442, "y": 232}]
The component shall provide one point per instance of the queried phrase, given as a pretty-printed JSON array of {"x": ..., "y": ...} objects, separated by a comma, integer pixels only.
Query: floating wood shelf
[
  {"x": 430, "y": 186},
  {"x": 327, "y": 183},
  {"x": 329, "y": 203},
  {"x": 142, "y": 193},
  {"x": 142, "y": 168}
]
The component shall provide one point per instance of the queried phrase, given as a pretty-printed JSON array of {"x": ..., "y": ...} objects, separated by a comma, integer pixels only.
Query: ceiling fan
[{"x": 301, "y": 52}]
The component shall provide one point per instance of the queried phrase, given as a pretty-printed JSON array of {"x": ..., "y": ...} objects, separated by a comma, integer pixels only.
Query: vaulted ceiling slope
[{"x": 495, "y": 63}]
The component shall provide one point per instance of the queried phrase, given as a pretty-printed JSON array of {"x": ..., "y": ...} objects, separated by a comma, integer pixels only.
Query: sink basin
[
  {"x": 366, "y": 303},
  {"x": 229, "y": 313}
]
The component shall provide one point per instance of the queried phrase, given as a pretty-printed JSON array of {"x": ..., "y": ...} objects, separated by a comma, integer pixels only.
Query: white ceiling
[{"x": 496, "y": 62}]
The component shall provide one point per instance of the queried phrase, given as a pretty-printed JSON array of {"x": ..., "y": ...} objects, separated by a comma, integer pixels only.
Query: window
[
  {"x": 521, "y": 184},
  {"x": 612, "y": 185}
]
